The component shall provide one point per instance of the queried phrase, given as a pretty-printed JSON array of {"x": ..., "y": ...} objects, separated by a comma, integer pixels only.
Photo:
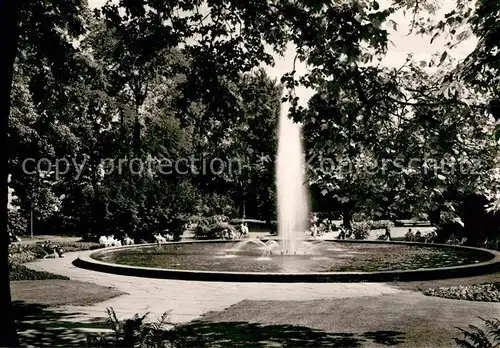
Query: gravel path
[{"x": 188, "y": 300}]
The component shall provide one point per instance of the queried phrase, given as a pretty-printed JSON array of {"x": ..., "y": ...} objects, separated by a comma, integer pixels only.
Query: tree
[
  {"x": 474, "y": 81},
  {"x": 8, "y": 20},
  {"x": 29, "y": 143},
  {"x": 364, "y": 114},
  {"x": 253, "y": 141},
  {"x": 18, "y": 21}
]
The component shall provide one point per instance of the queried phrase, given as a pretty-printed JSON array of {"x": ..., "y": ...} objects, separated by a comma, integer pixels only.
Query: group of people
[
  {"x": 343, "y": 231},
  {"x": 13, "y": 238},
  {"x": 244, "y": 231},
  {"x": 419, "y": 237},
  {"x": 454, "y": 240},
  {"x": 314, "y": 226},
  {"x": 109, "y": 241},
  {"x": 227, "y": 233},
  {"x": 52, "y": 249},
  {"x": 316, "y": 231}
]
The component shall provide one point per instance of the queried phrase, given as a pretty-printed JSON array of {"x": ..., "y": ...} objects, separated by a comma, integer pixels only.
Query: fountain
[
  {"x": 291, "y": 257},
  {"x": 293, "y": 198},
  {"x": 291, "y": 185}
]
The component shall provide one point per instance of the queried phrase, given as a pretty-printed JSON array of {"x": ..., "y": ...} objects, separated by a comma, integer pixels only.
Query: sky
[{"x": 404, "y": 44}]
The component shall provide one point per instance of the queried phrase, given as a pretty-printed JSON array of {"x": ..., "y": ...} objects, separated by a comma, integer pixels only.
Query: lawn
[
  {"x": 21, "y": 272},
  {"x": 45, "y": 288},
  {"x": 43, "y": 326},
  {"x": 37, "y": 297},
  {"x": 408, "y": 319},
  {"x": 59, "y": 292},
  {"x": 36, "y": 304}
]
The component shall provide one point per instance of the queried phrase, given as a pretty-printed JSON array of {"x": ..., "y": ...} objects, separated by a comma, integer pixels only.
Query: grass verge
[
  {"x": 20, "y": 272},
  {"x": 406, "y": 319},
  {"x": 59, "y": 292}
]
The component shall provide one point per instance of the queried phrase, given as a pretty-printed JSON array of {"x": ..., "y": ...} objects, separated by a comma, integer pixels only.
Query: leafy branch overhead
[{"x": 160, "y": 80}]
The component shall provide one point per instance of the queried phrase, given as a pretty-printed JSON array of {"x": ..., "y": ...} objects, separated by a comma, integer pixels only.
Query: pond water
[{"x": 322, "y": 256}]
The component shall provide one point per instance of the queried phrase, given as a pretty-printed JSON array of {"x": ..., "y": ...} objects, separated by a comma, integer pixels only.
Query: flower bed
[{"x": 487, "y": 292}]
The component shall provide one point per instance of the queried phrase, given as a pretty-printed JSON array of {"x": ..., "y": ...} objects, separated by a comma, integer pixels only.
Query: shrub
[
  {"x": 22, "y": 257},
  {"x": 20, "y": 272},
  {"x": 19, "y": 253},
  {"x": 210, "y": 227},
  {"x": 213, "y": 231},
  {"x": 135, "y": 332},
  {"x": 217, "y": 218},
  {"x": 17, "y": 224},
  {"x": 361, "y": 230},
  {"x": 79, "y": 246},
  {"x": 208, "y": 220},
  {"x": 327, "y": 225},
  {"x": 204, "y": 232}
]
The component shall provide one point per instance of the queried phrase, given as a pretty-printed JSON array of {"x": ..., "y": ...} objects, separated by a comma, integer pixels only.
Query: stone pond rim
[{"x": 492, "y": 265}]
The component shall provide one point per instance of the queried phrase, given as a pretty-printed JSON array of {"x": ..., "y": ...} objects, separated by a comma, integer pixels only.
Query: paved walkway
[{"x": 188, "y": 300}]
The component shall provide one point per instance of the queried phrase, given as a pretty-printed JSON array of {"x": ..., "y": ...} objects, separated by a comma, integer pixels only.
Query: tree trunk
[
  {"x": 95, "y": 211},
  {"x": 476, "y": 221},
  {"x": 347, "y": 218},
  {"x": 8, "y": 27},
  {"x": 137, "y": 136}
]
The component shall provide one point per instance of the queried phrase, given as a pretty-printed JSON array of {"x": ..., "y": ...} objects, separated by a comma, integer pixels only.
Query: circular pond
[{"x": 323, "y": 256}]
